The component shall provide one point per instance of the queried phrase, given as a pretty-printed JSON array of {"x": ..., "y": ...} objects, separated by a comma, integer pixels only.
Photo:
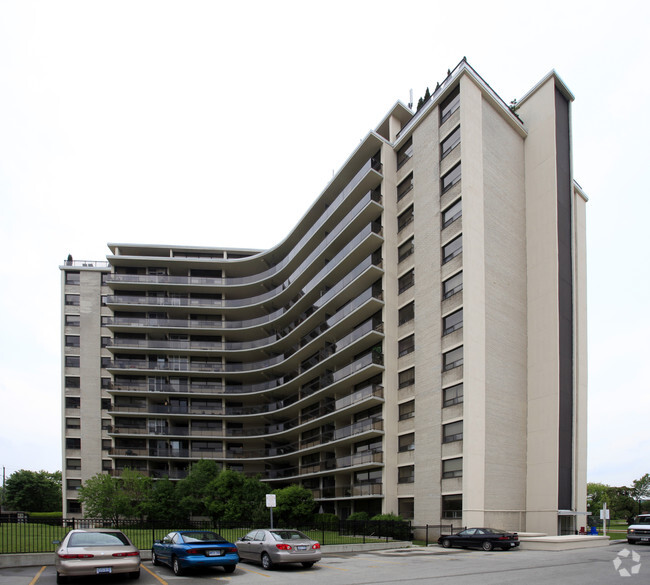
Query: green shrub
[
  {"x": 359, "y": 517},
  {"x": 326, "y": 521}
]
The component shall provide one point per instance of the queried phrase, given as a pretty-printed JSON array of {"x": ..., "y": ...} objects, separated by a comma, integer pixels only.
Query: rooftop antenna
[{"x": 411, "y": 99}]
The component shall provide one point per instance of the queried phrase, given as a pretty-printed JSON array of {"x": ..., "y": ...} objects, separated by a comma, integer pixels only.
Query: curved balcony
[
  {"x": 346, "y": 225},
  {"x": 372, "y": 166}
]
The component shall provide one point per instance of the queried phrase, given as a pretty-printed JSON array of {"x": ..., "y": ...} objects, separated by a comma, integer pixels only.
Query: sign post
[
  {"x": 604, "y": 516},
  {"x": 270, "y": 504}
]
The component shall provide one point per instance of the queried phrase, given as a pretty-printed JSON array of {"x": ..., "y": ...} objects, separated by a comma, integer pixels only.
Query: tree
[
  {"x": 233, "y": 497},
  {"x": 136, "y": 489},
  {"x": 33, "y": 491},
  {"x": 164, "y": 503},
  {"x": 102, "y": 496},
  {"x": 193, "y": 490},
  {"x": 641, "y": 490},
  {"x": 295, "y": 505}
]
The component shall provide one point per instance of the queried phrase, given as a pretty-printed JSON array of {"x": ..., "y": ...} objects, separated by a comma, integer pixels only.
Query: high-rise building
[{"x": 416, "y": 345}]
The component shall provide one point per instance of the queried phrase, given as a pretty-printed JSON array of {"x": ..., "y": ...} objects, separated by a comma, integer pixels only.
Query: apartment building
[{"x": 415, "y": 345}]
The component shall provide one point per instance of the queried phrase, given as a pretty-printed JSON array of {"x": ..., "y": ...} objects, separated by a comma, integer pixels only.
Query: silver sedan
[{"x": 273, "y": 546}]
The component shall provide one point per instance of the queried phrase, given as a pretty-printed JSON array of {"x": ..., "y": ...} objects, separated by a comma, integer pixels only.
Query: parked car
[
  {"x": 191, "y": 549},
  {"x": 639, "y": 530},
  {"x": 273, "y": 546},
  {"x": 485, "y": 538},
  {"x": 95, "y": 552}
]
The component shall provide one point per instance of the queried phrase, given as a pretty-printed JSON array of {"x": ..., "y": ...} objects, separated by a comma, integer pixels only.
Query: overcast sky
[{"x": 219, "y": 123}]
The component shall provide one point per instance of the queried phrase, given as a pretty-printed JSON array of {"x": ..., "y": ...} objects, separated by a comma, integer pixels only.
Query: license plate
[
  {"x": 301, "y": 547},
  {"x": 512, "y": 544},
  {"x": 104, "y": 570},
  {"x": 214, "y": 553},
  {"x": 645, "y": 540}
]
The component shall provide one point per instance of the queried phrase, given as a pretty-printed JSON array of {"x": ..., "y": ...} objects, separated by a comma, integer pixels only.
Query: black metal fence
[{"x": 38, "y": 536}]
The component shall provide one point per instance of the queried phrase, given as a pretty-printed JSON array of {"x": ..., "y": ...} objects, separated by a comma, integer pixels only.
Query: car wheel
[
  {"x": 176, "y": 566},
  {"x": 446, "y": 543},
  {"x": 630, "y": 541},
  {"x": 134, "y": 574},
  {"x": 267, "y": 563},
  {"x": 154, "y": 559},
  {"x": 61, "y": 578},
  {"x": 308, "y": 565},
  {"x": 487, "y": 545},
  {"x": 229, "y": 568}
]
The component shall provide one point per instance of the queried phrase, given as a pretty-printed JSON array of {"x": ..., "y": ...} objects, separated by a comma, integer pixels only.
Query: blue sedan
[{"x": 192, "y": 549}]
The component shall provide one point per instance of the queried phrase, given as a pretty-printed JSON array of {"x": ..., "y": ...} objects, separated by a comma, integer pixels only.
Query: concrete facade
[{"x": 409, "y": 347}]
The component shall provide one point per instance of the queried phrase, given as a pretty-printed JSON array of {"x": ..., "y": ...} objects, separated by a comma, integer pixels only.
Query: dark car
[
  {"x": 192, "y": 549},
  {"x": 96, "y": 552},
  {"x": 273, "y": 546},
  {"x": 485, "y": 538}
]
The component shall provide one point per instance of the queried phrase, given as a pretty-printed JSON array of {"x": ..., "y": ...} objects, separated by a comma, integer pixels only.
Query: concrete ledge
[
  {"x": 562, "y": 542},
  {"x": 345, "y": 548},
  {"x": 26, "y": 560}
]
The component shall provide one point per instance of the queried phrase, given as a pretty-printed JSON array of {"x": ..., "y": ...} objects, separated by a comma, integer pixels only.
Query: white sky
[{"x": 174, "y": 122}]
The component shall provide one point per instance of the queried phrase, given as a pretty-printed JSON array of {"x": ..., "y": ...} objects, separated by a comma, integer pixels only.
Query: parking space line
[
  {"x": 162, "y": 581},
  {"x": 36, "y": 577},
  {"x": 249, "y": 571},
  {"x": 332, "y": 567}
]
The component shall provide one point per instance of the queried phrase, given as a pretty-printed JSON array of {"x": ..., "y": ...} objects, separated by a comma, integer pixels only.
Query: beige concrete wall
[{"x": 538, "y": 112}]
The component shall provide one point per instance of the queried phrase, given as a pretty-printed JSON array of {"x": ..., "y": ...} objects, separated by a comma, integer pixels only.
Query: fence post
[{"x": 426, "y": 538}]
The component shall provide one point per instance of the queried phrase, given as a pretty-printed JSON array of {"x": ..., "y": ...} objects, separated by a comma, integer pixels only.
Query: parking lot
[{"x": 404, "y": 566}]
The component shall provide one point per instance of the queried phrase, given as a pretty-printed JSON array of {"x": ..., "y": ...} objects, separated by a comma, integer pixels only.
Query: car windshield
[
  {"x": 288, "y": 535},
  {"x": 202, "y": 537},
  {"x": 98, "y": 539},
  {"x": 643, "y": 520}
]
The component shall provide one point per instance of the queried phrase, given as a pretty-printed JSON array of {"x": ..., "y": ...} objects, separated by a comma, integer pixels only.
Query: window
[
  {"x": 449, "y": 143},
  {"x": 106, "y": 383},
  {"x": 72, "y": 382},
  {"x": 406, "y": 313},
  {"x": 406, "y": 345},
  {"x": 73, "y": 464},
  {"x": 406, "y": 281},
  {"x": 106, "y": 403},
  {"x": 452, "y": 395},
  {"x": 450, "y": 179},
  {"x": 452, "y": 432},
  {"x": 405, "y": 218},
  {"x": 72, "y": 278},
  {"x": 106, "y": 321},
  {"x": 406, "y": 474},
  {"x": 73, "y": 484},
  {"x": 407, "y": 410},
  {"x": 106, "y": 424},
  {"x": 104, "y": 299},
  {"x": 452, "y": 322},
  {"x": 105, "y": 277},
  {"x": 106, "y": 444},
  {"x": 452, "y": 359},
  {"x": 406, "y": 378},
  {"x": 452, "y": 249},
  {"x": 406, "y": 508},
  {"x": 405, "y": 153},
  {"x": 405, "y": 186},
  {"x": 107, "y": 465},
  {"x": 405, "y": 250},
  {"x": 72, "y": 300},
  {"x": 450, "y": 104},
  {"x": 74, "y": 507},
  {"x": 72, "y": 361},
  {"x": 452, "y": 468},
  {"x": 72, "y": 320},
  {"x": 106, "y": 362},
  {"x": 72, "y": 402},
  {"x": 452, "y": 506},
  {"x": 72, "y": 443},
  {"x": 72, "y": 423},
  {"x": 72, "y": 341},
  {"x": 451, "y": 214},
  {"x": 452, "y": 285},
  {"x": 105, "y": 341}
]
